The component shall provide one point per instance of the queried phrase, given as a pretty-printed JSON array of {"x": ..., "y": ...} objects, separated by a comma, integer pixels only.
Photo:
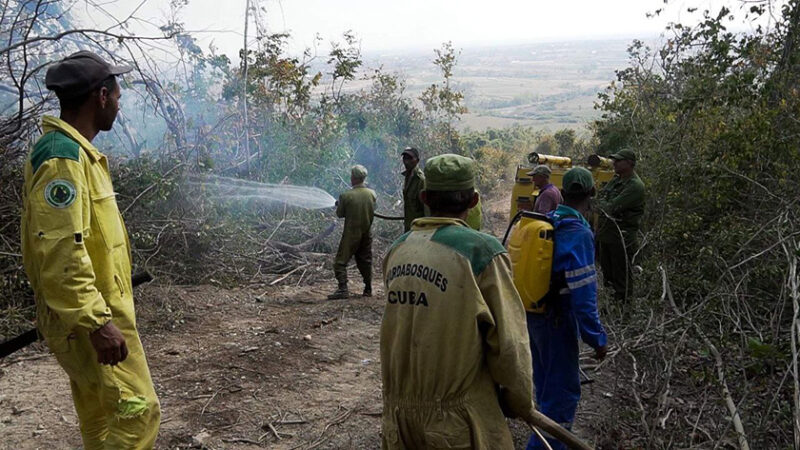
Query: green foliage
[
  {"x": 712, "y": 116},
  {"x": 442, "y": 98},
  {"x": 444, "y": 103},
  {"x": 346, "y": 61}
]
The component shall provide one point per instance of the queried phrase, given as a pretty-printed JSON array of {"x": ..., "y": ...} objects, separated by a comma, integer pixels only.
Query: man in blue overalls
[{"x": 571, "y": 309}]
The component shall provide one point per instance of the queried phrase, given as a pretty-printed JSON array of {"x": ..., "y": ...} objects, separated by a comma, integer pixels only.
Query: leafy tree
[
  {"x": 346, "y": 61},
  {"x": 712, "y": 116},
  {"x": 442, "y": 99}
]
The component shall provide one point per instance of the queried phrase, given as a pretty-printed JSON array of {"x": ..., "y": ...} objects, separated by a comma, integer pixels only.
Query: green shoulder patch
[
  {"x": 60, "y": 193},
  {"x": 399, "y": 240},
  {"x": 479, "y": 248},
  {"x": 54, "y": 145}
]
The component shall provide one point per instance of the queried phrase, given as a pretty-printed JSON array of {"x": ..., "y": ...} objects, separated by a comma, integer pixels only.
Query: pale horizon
[{"x": 421, "y": 25}]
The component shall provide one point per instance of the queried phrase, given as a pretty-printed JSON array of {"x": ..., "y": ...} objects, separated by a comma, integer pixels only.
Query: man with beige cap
[
  {"x": 549, "y": 196},
  {"x": 357, "y": 207}
]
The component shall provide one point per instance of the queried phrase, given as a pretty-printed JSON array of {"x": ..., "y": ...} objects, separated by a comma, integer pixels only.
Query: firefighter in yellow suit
[
  {"x": 77, "y": 256},
  {"x": 454, "y": 345}
]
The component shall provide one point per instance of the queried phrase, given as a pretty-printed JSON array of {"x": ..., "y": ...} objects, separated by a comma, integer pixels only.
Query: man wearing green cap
[
  {"x": 571, "y": 309},
  {"x": 453, "y": 329},
  {"x": 621, "y": 206},
  {"x": 77, "y": 256},
  {"x": 413, "y": 183},
  {"x": 357, "y": 206}
]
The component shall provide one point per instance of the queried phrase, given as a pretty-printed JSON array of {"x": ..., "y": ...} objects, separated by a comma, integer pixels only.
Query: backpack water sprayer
[{"x": 531, "y": 251}]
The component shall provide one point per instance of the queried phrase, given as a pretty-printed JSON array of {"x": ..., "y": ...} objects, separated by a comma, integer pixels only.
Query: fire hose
[
  {"x": 385, "y": 217},
  {"x": 29, "y": 337}
]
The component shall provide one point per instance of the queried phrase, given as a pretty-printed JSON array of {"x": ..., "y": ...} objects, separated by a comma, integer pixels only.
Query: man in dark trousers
[
  {"x": 413, "y": 184},
  {"x": 571, "y": 309},
  {"x": 357, "y": 206},
  {"x": 621, "y": 207}
]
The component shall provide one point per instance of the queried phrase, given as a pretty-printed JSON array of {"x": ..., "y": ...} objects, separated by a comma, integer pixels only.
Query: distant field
[
  {"x": 481, "y": 122},
  {"x": 547, "y": 85}
]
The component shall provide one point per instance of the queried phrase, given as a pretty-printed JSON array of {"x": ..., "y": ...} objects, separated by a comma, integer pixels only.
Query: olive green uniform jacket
[
  {"x": 77, "y": 256},
  {"x": 357, "y": 206},
  {"x": 621, "y": 205},
  {"x": 453, "y": 330},
  {"x": 413, "y": 208}
]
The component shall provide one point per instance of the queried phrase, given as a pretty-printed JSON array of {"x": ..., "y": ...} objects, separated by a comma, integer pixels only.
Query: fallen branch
[
  {"x": 720, "y": 365},
  {"x": 240, "y": 440},
  {"x": 274, "y": 431},
  {"x": 303, "y": 246},
  {"x": 287, "y": 274}
]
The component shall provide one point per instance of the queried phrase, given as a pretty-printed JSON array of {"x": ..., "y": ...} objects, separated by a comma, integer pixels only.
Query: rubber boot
[
  {"x": 340, "y": 292},
  {"x": 367, "y": 289}
]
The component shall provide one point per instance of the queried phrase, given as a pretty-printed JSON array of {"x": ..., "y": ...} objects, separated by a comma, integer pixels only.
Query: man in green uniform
[
  {"x": 453, "y": 331},
  {"x": 413, "y": 184},
  {"x": 621, "y": 206},
  {"x": 357, "y": 206},
  {"x": 77, "y": 256}
]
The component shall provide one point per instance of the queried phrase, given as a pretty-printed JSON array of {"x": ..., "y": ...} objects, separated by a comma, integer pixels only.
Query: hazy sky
[{"x": 424, "y": 24}]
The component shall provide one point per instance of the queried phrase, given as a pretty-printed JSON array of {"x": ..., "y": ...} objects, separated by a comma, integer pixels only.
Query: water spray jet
[{"x": 223, "y": 188}]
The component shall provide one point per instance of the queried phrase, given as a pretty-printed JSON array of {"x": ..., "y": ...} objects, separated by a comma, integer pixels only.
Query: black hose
[
  {"x": 381, "y": 216},
  {"x": 511, "y": 224},
  {"x": 29, "y": 337}
]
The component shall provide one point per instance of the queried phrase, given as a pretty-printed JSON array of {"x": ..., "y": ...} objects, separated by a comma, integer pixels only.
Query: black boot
[
  {"x": 367, "y": 290},
  {"x": 340, "y": 293}
]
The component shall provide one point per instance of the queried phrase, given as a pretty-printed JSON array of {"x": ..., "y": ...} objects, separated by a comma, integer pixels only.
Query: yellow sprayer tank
[
  {"x": 530, "y": 248},
  {"x": 524, "y": 193}
]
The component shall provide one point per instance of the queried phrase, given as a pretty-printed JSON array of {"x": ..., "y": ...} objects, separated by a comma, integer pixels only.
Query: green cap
[
  {"x": 624, "y": 154},
  {"x": 449, "y": 172},
  {"x": 358, "y": 171},
  {"x": 577, "y": 180}
]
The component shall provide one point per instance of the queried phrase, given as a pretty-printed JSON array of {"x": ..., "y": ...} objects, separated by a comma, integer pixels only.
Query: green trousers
[
  {"x": 360, "y": 246},
  {"x": 616, "y": 262}
]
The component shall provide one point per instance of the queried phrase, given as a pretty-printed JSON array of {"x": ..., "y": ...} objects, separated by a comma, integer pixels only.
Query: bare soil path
[
  {"x": 282, "y": 369},
  {"x": 278, "y": 367}
]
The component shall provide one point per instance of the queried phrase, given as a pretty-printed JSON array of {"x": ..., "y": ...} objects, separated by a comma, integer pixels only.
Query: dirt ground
[{"x": 277, "y": 367}]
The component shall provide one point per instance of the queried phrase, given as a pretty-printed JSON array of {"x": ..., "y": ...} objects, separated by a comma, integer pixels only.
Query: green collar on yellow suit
[{"x": 479, "y": 248}]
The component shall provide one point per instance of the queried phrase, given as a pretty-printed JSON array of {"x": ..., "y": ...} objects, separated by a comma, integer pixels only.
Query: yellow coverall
[
  {"x": 453, "y": 331},
  {"x": 475, "y": 216},
  {"x": 77, "y": 256}
]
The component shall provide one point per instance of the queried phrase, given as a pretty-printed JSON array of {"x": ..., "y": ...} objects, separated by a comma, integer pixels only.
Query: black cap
[
  {"x": 411, "y": 151},
  {"x": 79, "y": 73}
]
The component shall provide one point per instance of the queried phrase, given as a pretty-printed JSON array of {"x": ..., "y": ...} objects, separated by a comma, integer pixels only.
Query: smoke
[{"x": 216, "y": 188}]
